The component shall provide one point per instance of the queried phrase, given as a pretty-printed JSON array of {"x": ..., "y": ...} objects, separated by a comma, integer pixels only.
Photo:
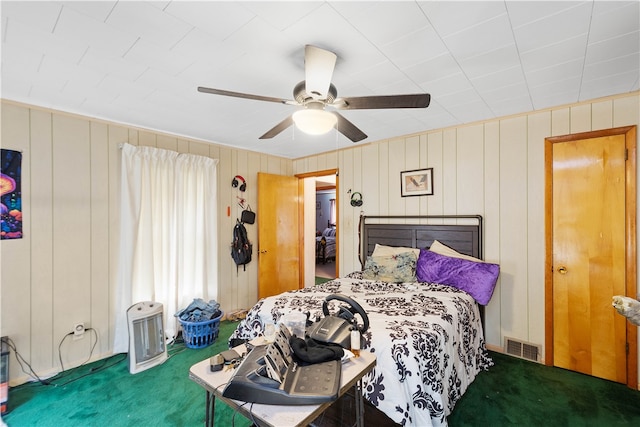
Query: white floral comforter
[{"x": 427, "y": 339}]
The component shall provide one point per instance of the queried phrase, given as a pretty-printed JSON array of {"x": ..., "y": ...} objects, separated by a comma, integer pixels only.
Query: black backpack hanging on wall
[{"x": 241, "y": 247}]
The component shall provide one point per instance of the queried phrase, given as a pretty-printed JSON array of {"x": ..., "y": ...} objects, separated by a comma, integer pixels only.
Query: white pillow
[
  {"x": 381, "y": 250},
  {"x": 442, "y": 249}
]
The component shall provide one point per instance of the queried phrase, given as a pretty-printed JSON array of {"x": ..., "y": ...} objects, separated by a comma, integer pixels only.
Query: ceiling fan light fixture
[{"x": 314, "y": 121}]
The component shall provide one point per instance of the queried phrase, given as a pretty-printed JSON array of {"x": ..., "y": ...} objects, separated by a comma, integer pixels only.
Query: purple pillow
[{"x": 476, "y": 278}]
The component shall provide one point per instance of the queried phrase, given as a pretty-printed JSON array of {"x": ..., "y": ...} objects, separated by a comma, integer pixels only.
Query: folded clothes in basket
[{"x": 199, "y": 311}]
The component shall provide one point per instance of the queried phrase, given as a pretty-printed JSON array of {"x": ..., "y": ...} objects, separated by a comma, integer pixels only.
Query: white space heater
[{"x": 146, "y": 336}]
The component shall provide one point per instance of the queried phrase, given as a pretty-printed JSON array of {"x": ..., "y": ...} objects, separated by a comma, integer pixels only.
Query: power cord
[
  {"x": 90, "y": 352},
  {"x": 93, "y": 370},
  {"x": 21, "y": 361},
  {"x": 64, "y": 373},
  {"x": 233, "y": 417}
]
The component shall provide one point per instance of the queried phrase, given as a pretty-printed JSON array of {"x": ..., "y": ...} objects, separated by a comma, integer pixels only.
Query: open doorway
[
  {"x": 320, "y": 186},
  {"x": 326, "y": 227}
]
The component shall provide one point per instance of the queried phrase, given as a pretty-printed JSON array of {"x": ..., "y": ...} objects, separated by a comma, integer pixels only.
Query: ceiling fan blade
[
  {"x": 318, "y": 67},
  {"x": 418, "y": 100},
  {"x": 348, "y": 129},
  {"x": 245, "y": 95},
  {"x": 278, "y": 128}
]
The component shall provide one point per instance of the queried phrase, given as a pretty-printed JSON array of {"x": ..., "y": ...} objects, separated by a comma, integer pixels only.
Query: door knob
[{"x": 562, "y": 270}]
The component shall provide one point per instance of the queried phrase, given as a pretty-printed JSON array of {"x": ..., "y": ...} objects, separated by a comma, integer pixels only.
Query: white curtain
[{"x": 168, "y": 234}]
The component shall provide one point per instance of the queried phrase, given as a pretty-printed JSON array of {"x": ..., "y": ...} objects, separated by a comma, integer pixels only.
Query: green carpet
[
  {"x": 111, "y": 396},
  {"x": 320, "y": 280},
  {"x": 517, "y": 392},
  {"x": 514, "y": 392}
]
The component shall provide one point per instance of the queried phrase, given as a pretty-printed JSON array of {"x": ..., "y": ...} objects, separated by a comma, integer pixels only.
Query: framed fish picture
[{"x": 417, "y": 182}]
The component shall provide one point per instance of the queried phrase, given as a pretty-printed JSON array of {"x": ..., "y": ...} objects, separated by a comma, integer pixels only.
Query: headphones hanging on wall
[
  {"x": 235, "y": 183},
  {"x": 356, "y": 199}
]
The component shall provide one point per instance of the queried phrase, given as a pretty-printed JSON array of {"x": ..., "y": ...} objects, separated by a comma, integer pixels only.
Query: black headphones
[
  {"x": 356, "y": 199},
  {"x": 235, "y": 183}
]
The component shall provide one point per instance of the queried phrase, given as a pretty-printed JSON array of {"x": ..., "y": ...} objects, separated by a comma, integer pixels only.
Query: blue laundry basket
[{"x": 200, "y": 334}]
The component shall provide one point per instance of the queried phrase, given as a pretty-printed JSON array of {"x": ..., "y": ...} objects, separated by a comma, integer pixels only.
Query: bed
[
  {"x": 326, "y": 244},
  {"x": 428, "y": 337}
]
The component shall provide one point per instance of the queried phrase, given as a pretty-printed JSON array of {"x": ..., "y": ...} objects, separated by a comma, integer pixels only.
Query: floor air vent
[{"x": 522, "y": 349}]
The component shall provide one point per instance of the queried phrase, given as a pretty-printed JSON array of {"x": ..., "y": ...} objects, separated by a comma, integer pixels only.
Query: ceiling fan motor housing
[{"x": 302, "y": 97}]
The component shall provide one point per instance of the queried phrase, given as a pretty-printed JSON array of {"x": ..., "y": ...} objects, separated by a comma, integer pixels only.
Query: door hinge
[
  {"x": 626, "y": 347},
  {"x": 626, "y": 154}
]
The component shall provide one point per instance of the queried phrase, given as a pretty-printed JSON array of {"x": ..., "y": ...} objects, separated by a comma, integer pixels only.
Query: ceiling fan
[{"x": 316, "y": 93}]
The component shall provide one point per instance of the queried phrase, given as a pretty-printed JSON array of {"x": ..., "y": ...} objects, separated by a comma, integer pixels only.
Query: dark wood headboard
[{"x": 417, "y": 232}]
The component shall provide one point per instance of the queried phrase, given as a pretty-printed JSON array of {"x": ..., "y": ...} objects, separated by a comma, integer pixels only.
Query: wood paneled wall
[
  {"x": 493, "y": 168},
  {"x": 64, "y": 269}
]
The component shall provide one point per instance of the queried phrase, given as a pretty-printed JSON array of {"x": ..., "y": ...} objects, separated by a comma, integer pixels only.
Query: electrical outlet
[{"x": 78, "y": 331}]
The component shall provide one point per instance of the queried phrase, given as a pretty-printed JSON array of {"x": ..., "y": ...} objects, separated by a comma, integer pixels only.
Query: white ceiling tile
[
  {"x": 145, "y": 53},
  {"x": 612, "y": 67},
  {"x": 282, "y": 18},
  {"x": 487, "y": 36},
  {"x": 505, "y": 93},
  {"x": 18, "y": 82},
  {"x": 68, "y": 71},
  {"x": 505, "y": 57},
  {"x": 450, "y": 17},
  {"x": 40, "y": 15},
  {"x": 516, "y": 105},
  {"x": 558, "y": 71},
  {"x": 614, "y": 18},
  {"x": 116, "y": 85},
  {"x": 374, "y": 23},
  {"x": 201, "y": 46},
  {"x": 434, "y": 69},
  {"x": 313, "y": 29},
  {"x": 504, "y": 77},
  {"x": 564, "y": 51},
  {"x": 115, "y": 66},
  {"x": 74, "y": 27},
  {"x": 15, "y": 58},
  {"x": 447, "y": 85},
  {"x": 143, "y": 20},
  {"x": 379, "y": 76},
  {"x": 471, "y": 111},
  {"x": 414, "y": 48},
  {"x": 269, "y": 42},
  {"x": 38, "y": 41},
  {"x": 98, "y": 10},
  {"x": 553, "y": 93},
  {"x": 627, "y": 44},
  {"x": 551, "y": 30},
  {"x": 523, "y": 13},
  {"x": 220, "y": 19},
  {"x": 19, "y": 90},
  {"x": 462, "y": 97},
  {"x": 621, "y": 83}
]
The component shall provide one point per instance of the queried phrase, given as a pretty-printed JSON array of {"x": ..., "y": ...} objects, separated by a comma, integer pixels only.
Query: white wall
[
  {"x": 495, "y": 169},
  {"x": 63, "y": 271}
]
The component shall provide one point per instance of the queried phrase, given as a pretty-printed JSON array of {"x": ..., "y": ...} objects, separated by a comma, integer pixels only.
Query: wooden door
[
  {"x": 589, "y": 258},
  {"x": 279, "y": 247}
]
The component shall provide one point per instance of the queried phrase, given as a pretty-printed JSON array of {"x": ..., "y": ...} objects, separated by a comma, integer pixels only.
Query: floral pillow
[{"x": 395, "y": 268}]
